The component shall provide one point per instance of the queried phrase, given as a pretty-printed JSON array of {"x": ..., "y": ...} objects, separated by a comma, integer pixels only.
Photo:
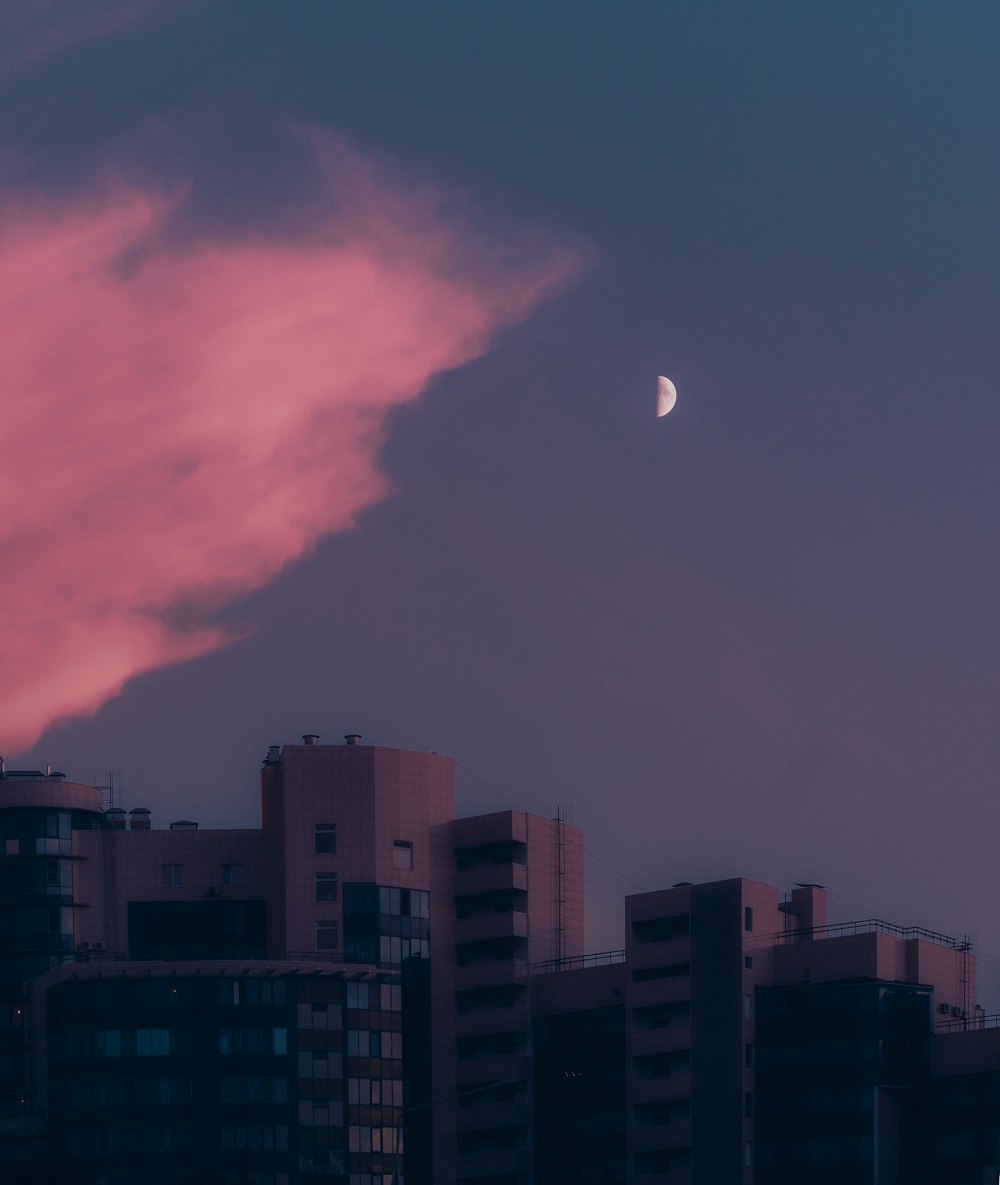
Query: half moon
[{"x": 666, "y": 395}]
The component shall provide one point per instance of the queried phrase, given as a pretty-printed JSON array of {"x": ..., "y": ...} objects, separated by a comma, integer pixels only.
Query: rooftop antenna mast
[
  {"x": 111, "y": 783},
  {"x": 561, "y": 817}
]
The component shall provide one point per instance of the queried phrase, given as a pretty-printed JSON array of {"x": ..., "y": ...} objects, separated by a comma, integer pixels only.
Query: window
[
  {"x": 326, "y": 886},
  {"x": 748, "y": 1056},
  {"x": 326, "y": 936},
  {"x": 402, "y": 854},
  {"x": 232, "y": 874},
  {"x": 325, "y": 842},
  {"x": 748, "y": 961},
  {"x": 172, "y": 875},
  {"x": 747, "y": 918}
]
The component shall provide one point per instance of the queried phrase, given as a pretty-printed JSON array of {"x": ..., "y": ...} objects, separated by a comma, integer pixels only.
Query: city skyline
[{"x": 755, "y": 638}]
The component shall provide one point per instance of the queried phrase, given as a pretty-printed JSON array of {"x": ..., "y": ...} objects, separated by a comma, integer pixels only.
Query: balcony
[
  {"x": 493, "y": 1162},
  {"x": 515, "y": 1019},
  {"x": 491, "y": 878},
  {"x": 485, "y": 1115},
  {"x": 486, "y": 926},
  {"x": 658, "y": 991},
  {"x": 494, "y": 1067},
  {"x": 668, "y": 1039},
  {"x": 659, "y": 954},
  {"x": 676, "y": 1085},
  {"x": 492, "y": 973},
  {"x": 676, "y": 1134}
]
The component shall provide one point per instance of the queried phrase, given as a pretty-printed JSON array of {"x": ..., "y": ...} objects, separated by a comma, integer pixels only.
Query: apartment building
[
  {"x": 239, "y": 1001},
  {"x": 366, "y": 990}
]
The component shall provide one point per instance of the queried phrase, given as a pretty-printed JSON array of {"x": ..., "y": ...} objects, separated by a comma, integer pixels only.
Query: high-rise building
[
  {"x": 299, "y": 1002},
  {"x": 366, "y": 990}
]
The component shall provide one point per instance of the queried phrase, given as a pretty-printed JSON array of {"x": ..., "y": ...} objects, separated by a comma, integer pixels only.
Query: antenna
[
  {"x": 112, "y": 783},
  {"x": 559, "y": 842}
]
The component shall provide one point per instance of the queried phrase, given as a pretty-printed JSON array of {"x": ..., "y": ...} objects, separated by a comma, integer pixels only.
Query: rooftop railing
[
  {"x": 963, "y": 1024},
  {"x": 577, "y": 962},
  {"x": 870, "y": 926}
]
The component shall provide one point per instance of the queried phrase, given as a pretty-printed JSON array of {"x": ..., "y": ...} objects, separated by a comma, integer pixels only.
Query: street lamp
[{"x": 464, "y": 1094}]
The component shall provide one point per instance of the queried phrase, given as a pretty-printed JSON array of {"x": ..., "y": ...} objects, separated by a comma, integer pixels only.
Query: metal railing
[
  {"x": 870, "y": 926},
  {"x": 965, "y": 1024},
  {"x": 333, "y": 959},
  {"x": 578, "y": 962}
]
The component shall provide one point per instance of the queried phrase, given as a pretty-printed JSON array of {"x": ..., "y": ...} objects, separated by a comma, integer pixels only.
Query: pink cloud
[
  {"x": 180, "y": 428},
  {"x": 33, "y": 30}
]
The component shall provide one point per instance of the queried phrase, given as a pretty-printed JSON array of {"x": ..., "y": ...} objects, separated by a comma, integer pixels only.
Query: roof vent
[
  {"x": 352, "y": 738},
  {"x": 184, "y": 825},
  {"x": 139, "y": 819},
  {"x": 114, "y": 818},
  {"x": 273, "y": 755},
  {"x": 310, "y": 738}
]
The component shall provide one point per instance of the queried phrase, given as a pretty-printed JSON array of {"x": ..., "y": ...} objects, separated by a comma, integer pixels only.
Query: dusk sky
[{"x": 330, "y": 337}]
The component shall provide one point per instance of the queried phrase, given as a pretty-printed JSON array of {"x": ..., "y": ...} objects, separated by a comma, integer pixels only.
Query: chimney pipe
[
  {"x": 310, "y": 738},
  {"x": 352, "y": 738}
]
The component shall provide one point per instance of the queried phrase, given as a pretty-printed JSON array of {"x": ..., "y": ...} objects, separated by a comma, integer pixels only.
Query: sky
[{"x": 328, "y": 368}]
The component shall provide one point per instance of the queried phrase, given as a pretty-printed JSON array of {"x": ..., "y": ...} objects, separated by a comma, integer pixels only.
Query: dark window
[
  {"x": 747, "y": 918},
  {"x": 326, "y": 838},
  {"x": 326, "y": 886},
  {"x": 172, "y": 875},
  {"x": 232, "y": 874},
  {"x": 326, "y": 936}
]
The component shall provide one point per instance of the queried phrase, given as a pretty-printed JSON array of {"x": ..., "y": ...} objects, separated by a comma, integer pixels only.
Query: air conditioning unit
[
  {"x": 98, "y": 946},
  {"x": 944, "y": 1009},
  {"x": 212, "y": 891},
  {"x": 956, "y": 1012},
  {"x": 83, "y": 946}
]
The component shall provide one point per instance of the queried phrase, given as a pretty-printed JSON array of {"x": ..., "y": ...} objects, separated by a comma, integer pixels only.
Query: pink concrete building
[
  {"x": 368, "y": 991},
  {"x": 359, "y": 874}
]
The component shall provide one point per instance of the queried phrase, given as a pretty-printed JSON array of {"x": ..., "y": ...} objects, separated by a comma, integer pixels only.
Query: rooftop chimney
[
  {"x": 352, "y": 738},
  {"x": 273, "y": 754},
  {"x": 310, "y": 738}
]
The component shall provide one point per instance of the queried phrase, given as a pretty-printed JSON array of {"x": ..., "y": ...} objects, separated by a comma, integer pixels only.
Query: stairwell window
[
  {"x": 326, "y": 936},
  {"x": 325, "y": 841},
  {"x": 402, "y": 854},
  {"x": 172, "y": 875}
]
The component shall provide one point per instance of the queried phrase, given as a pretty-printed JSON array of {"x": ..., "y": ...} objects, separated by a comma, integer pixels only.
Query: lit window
[
  {"x": 326, "y": 886},
  {"x": 172, "y": 875},
  {"x": 325, "y": 838},
  {"x": 402, "y": 854},
  {"x": 326, "y": 936},
  {"x": 232, "y": 874}
]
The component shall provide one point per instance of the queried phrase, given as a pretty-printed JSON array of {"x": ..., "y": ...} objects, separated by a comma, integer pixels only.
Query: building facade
[{"x": 366, "y": 990}]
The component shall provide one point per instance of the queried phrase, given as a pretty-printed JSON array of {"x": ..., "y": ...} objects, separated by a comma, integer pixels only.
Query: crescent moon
[{"x": 666, "y": 395}]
